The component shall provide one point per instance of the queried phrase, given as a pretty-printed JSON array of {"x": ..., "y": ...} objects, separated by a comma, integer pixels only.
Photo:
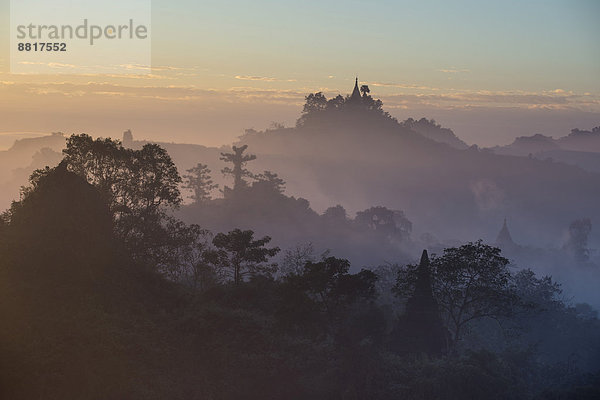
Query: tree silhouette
[
  {"x": 318, "y": 108},
  {"x": 271, "y": 181},
  {"x": 239, "y": 160},
  {"x": 384, "y": 221},
  {"x": 335, "y": 215},
  {"x": 191, "y": 265},
  {"x": 238, "y": 255},
  {"x": 134, "y": 181},
  {"x": 472, "y": 282},
  {"x": 336, "y": 103},
  {"x": 329, "y": 284},
  {"x": 140, "y": 187},
  {"x": 469, "y": 283},
  {"x": 199, "y": 181},
  {"x": 295, "y": 259},
  {"x": 315, "y": 102}
]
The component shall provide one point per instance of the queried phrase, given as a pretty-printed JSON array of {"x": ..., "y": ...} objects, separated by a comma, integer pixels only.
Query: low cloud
[
  {"x": 454, "y": 70},
  {"x": 53, "y": 65},
  {"x": 547, "y": 99},
  {"x": 262, "y": 78},
  {"x": 404, "y": 96},
  {"x": 401, "y": 85}
]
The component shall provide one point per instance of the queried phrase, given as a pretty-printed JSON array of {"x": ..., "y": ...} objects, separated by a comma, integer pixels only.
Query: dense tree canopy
[
  {"x": 140, "y": 187},
  {"x": 332, "y": 286},
  {"x": 107, "y": 296},
  {"x": 384, "y": 221},
  {"x": 469, "y": 282},
  {"x": 199, "y": 181},
  {"x": 317, "y": 107},
  {"x": 239, "y": 255},
  {"x": 239, "y": 160}
]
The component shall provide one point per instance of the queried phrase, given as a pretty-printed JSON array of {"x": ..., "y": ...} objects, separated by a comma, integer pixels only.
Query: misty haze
[{"x": 272, "y": 227}]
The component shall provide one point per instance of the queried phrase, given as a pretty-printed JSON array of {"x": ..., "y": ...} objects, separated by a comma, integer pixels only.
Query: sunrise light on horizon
[{"x": 220, "y": 68}]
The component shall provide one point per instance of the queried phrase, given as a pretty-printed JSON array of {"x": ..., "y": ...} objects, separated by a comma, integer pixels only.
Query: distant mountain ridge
[
  {"x": 581, "y": 140},
  {"x": 434, "y": 131},
  {"x": 580, "y": 148},
  {"x": 358, "y": 156},
  {"x": 358, "y": 159},
  {"x": 22, "y": 158}
]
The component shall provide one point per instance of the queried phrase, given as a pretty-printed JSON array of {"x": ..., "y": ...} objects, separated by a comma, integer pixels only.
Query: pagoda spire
[
  {"x": 424, "y": 331},
  {"x": 355, "y": 96},
  {"x": 504, "y": 238}
]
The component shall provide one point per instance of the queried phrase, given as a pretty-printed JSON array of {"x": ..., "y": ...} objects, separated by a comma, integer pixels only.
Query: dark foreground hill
[{"x": 85, "y": 318}]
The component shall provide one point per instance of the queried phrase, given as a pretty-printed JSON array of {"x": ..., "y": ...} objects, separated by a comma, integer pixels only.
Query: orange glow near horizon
[{"x": 482, "y": 70}]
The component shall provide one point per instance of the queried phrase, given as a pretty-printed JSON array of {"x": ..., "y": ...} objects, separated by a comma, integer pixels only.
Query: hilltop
[
  {"x": 355, "y": 154},
  {"x": 350, "y": 151}
]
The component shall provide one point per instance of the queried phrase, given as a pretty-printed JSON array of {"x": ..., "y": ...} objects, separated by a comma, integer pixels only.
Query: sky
[{"x": 491, "y": 71}]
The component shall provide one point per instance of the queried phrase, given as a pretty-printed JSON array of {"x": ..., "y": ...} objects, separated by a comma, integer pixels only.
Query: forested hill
[
  {"x": 107, "y": 295},
  {"x": 358, "y": 156}
]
